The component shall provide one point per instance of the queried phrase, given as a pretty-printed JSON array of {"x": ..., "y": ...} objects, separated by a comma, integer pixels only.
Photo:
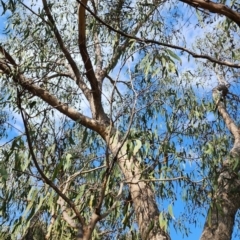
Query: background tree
[{"x": 115, "y": 103}]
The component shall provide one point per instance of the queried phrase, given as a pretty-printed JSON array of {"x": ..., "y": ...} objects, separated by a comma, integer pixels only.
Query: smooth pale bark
[
  {"x": 143, "y": 197},
  {"x": 144, "y": 203}
]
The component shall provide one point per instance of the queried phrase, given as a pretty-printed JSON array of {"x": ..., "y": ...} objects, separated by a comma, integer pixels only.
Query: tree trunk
[
  {"x": 143, "y": 198},
  {"x": 221, "y": 214},
  {"x": 225, "y": 201}
]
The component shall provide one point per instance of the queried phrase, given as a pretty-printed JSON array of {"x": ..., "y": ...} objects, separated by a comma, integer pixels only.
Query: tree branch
[
  {"x": 28, "y": 84},
  {"x": 65, "y": 51},
  {"x": 114, "y": 204},
  {"x": 50, "y": 226},
  {"x": 219, "y": 95},
  {"x": 44, "y": 177},
  {"x": 95, "y": 101},
  {"x": 83, "y": 49},
  {"x": 99, "y": 60},
  {"x": 147, "y": 41},
  {"x": 215, "y": 8}
]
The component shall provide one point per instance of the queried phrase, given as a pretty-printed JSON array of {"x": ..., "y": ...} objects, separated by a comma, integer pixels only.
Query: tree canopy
[{"x": 113, "y": 113}]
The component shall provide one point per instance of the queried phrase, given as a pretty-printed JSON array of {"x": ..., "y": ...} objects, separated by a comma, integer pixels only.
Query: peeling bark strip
[
  {"x": 215, "y": 8},
  {"x": 225, "y": 201}
]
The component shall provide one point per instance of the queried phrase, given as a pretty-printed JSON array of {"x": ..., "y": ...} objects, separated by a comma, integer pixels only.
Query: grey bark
[{"x": 225, "y": 204}]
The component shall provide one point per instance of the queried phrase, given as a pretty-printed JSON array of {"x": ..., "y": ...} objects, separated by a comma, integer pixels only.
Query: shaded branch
[
  {"x": 114, "y": 85},
  {"x": 95, "y": 101}
]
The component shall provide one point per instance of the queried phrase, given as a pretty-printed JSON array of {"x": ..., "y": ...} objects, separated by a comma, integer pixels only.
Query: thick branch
[
  {"x": 219, "y": 94},
  {"x": 28, "y": 84},
  {"x": 83, "y": 49},
  {"x": 68, "y": 56},
  {"x": 229, "y": 122},
  {"x": 71, "y": 222},
  {"x": 215, "y": 8},
  {"x": 95, "y": 101},
  {"x": 99, "y": 60},
  {"x": 225, "y": 200},
  {"x": 225, "y": 204}
]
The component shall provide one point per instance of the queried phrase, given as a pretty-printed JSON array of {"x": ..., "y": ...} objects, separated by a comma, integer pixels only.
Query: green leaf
[
  {"x": 4, "y": 7},
  {"x": 162, "y": 222},
  {"x": 85, "y": 135},
  {"x": 3, "y": 173},
  {"x": 67, "y": 163},
  {"x": 173, "y": 55},
  {"x": 170, "y": 211},
  {"x": 137, "y": 146}
]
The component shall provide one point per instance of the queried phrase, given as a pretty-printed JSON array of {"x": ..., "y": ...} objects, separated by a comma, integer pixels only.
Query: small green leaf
[
  {"x": 68, "y": 161},
  {"x": 3, "y": 173},
  {"x": 173, "y": 55},
  {"x": 162, "y": 222},
  {"x": 137, "y": 146},
  {"x": 85, "y": 135},
  {"x": 170, "y": 211}
]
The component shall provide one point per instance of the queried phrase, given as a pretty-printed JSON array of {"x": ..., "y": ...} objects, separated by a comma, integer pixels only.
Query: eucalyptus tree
[{"x": 114, "y": 102}]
